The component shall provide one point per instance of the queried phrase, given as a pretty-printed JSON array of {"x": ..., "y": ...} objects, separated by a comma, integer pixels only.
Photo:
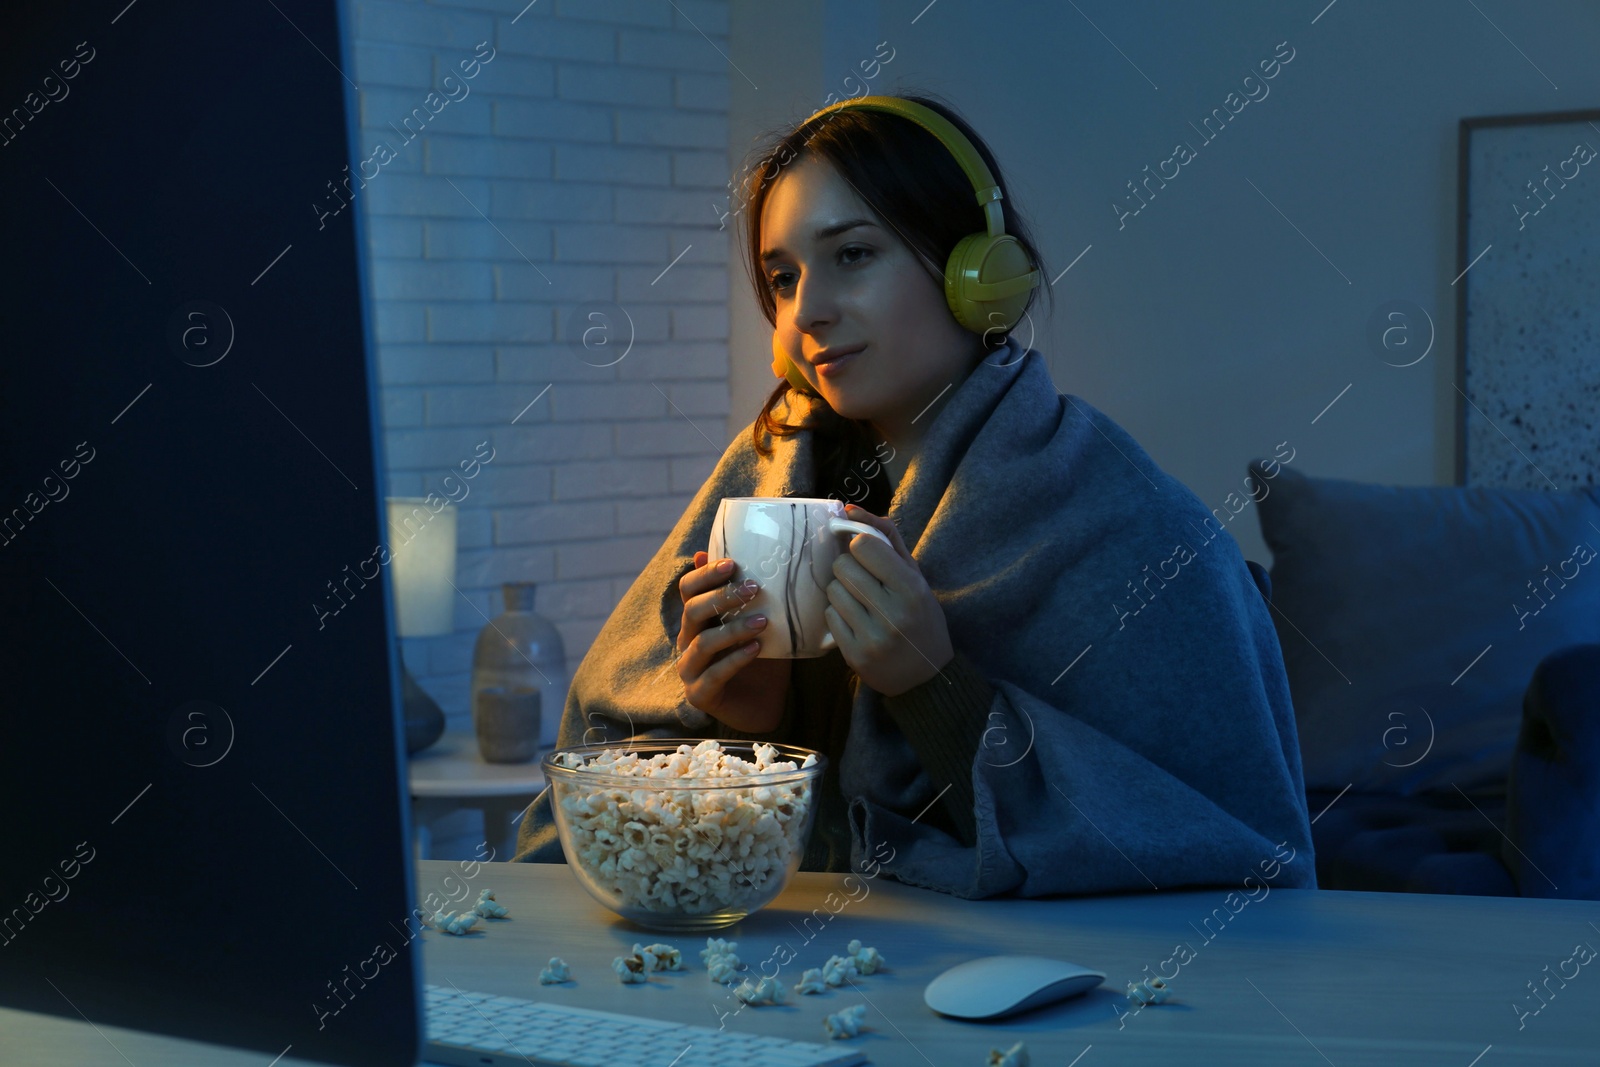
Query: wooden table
[
  {"x": 450, "y": 775},
  {"x": 1295, "y": 977}
]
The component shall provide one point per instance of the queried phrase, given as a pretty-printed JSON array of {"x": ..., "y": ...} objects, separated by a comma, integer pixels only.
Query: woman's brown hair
[{"x": 911, "y": 181}]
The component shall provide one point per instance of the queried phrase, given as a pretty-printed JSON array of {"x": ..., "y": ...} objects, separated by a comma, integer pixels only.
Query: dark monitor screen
[{"x": 204, "y": 774}]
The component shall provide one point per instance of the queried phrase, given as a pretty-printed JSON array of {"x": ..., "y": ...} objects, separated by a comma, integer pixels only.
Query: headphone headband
[{"x": 972, "y": 164}]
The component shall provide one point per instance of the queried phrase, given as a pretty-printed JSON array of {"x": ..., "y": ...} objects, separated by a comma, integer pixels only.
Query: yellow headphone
[{"x": 988, "y": 276}]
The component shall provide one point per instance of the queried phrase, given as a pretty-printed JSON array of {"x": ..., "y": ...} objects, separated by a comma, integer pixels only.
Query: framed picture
[{"x": 1528, "y": 301}]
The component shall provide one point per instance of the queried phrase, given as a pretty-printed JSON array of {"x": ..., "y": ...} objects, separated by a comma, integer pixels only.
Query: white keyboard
[{"x": 469, "y": 1029}]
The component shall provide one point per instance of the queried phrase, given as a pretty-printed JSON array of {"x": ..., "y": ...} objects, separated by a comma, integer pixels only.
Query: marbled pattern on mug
[{"x": 794, "y": 575}]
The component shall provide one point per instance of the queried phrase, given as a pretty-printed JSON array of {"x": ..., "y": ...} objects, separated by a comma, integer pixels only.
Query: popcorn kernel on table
[
  {"x": 867, "y": 960},
  {"x": 716, "y": 946},
  {"x": 1152, "y": 990},
  {"x": 659, "y": 957},
  {"x": 1015, "y": 1056},
  {"x": 557, "y": 971},
  {"x": 838, "y": 969},
  {"x": 810, "y": 981},
  {"x": 765, "y": 991},
  {"x": 451, "y": 922},
  {"x": 722, "y": 964},
  {"x": 723, "y": 968},
  {"x": 846, "y": 1022},
  {"x": 630, "y": 969},
  {"x": 488, "y": 908}
]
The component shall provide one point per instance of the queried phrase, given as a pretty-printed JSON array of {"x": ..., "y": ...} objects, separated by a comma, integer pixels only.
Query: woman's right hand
[{"x": 717, "y": 652}]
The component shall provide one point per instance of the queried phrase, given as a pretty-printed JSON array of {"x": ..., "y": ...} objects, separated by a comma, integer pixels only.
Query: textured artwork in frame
[{"x": 1528, "y": 302}]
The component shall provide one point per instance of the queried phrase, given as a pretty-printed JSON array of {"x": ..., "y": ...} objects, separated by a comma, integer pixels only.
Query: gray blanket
[{"x": 1141, "y": 735}]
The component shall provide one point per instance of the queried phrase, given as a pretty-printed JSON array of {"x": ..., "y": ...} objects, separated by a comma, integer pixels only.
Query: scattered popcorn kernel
[
  {"x": 810, "y": 981},
  {"x": 839, "y": 968},
  {"x": 659, "y": 957},
  {"x": 716, "y": 946},
  {"x": 629, "y": 969},
  {"x": 557, "y": 971},
  {"x": 452, "y": 923},
  {"x": 867, "y": 960},
  {"x": 846, "y": 1022},
  {"x": 723, "y": 969},
  {"x": 722, "y": 964},
  {"x": 1152, "y": 990},
  {"x": 487, "y": 907},
  {"x": 1015, "y": 1056},
  {"x": 765, "y": 991}
]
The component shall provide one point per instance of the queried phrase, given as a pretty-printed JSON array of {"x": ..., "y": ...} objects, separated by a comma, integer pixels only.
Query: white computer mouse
[{"x": 995, "y": 986}]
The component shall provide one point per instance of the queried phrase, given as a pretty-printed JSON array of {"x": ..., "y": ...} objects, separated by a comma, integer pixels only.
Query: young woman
[{"x": 1060, "y": 679}]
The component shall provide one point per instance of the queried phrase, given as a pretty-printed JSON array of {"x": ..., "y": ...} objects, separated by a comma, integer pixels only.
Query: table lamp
[{"x": 422, "y": 553}]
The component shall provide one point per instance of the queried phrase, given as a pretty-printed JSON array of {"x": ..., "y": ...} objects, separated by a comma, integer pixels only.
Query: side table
[{"x": 450, "y": 775}]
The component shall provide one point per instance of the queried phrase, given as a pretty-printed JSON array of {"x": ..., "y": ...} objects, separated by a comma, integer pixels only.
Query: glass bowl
[{"x": 679, "y": 852}]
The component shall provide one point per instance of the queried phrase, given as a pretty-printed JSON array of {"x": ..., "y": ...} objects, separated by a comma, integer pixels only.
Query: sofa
[{"x": 1442, "y": 646}]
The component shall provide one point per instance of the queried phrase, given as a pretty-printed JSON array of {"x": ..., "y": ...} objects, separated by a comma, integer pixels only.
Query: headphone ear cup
[
  {"x": 979, "y": 258},
  {"x": 783, "y": 367},
  {"x": 780, "y": 362},
  {"x": 798, "y": 380}
]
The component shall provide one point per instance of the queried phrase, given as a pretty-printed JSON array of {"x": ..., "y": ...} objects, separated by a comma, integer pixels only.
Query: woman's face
[{"x": 838, "y": 288}]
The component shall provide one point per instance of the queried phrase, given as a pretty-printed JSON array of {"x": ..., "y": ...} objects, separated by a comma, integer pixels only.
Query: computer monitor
[{"x": 203, "y": 773}]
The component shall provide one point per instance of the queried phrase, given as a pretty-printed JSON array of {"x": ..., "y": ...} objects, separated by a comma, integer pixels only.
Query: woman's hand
[
  {"x": 716, "y": 652},
  {"x": 889, "y": 625}
]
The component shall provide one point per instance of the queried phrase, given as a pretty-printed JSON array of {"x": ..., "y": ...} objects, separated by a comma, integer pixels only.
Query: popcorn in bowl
[{"x": 683, "y": 835}]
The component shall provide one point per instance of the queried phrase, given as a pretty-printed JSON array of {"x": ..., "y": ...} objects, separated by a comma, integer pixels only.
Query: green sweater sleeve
[{"x": 944, "y": 719}]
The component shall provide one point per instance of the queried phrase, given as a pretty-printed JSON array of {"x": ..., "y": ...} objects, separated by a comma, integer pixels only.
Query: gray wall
[
  {"x": 1212, "y": 325},
  {"x": 1222, "y": 319}
]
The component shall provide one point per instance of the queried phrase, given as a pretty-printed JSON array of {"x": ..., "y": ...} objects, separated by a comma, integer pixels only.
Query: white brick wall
[{"x": 588, "y": 154}]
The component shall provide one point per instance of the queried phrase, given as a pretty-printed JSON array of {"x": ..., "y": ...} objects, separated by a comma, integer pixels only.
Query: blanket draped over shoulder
[{"x": 1141, "y": 734}]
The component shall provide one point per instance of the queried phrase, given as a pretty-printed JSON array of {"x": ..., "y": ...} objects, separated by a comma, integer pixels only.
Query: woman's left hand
[{"x": 889, "y": 625}]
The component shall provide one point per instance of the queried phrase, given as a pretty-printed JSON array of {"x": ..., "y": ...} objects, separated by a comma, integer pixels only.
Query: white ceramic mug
[{"x": 788, "y": 544}]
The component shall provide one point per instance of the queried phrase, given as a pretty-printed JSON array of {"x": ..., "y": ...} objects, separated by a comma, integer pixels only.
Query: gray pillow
[{"x": 1385, "y": 600}]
